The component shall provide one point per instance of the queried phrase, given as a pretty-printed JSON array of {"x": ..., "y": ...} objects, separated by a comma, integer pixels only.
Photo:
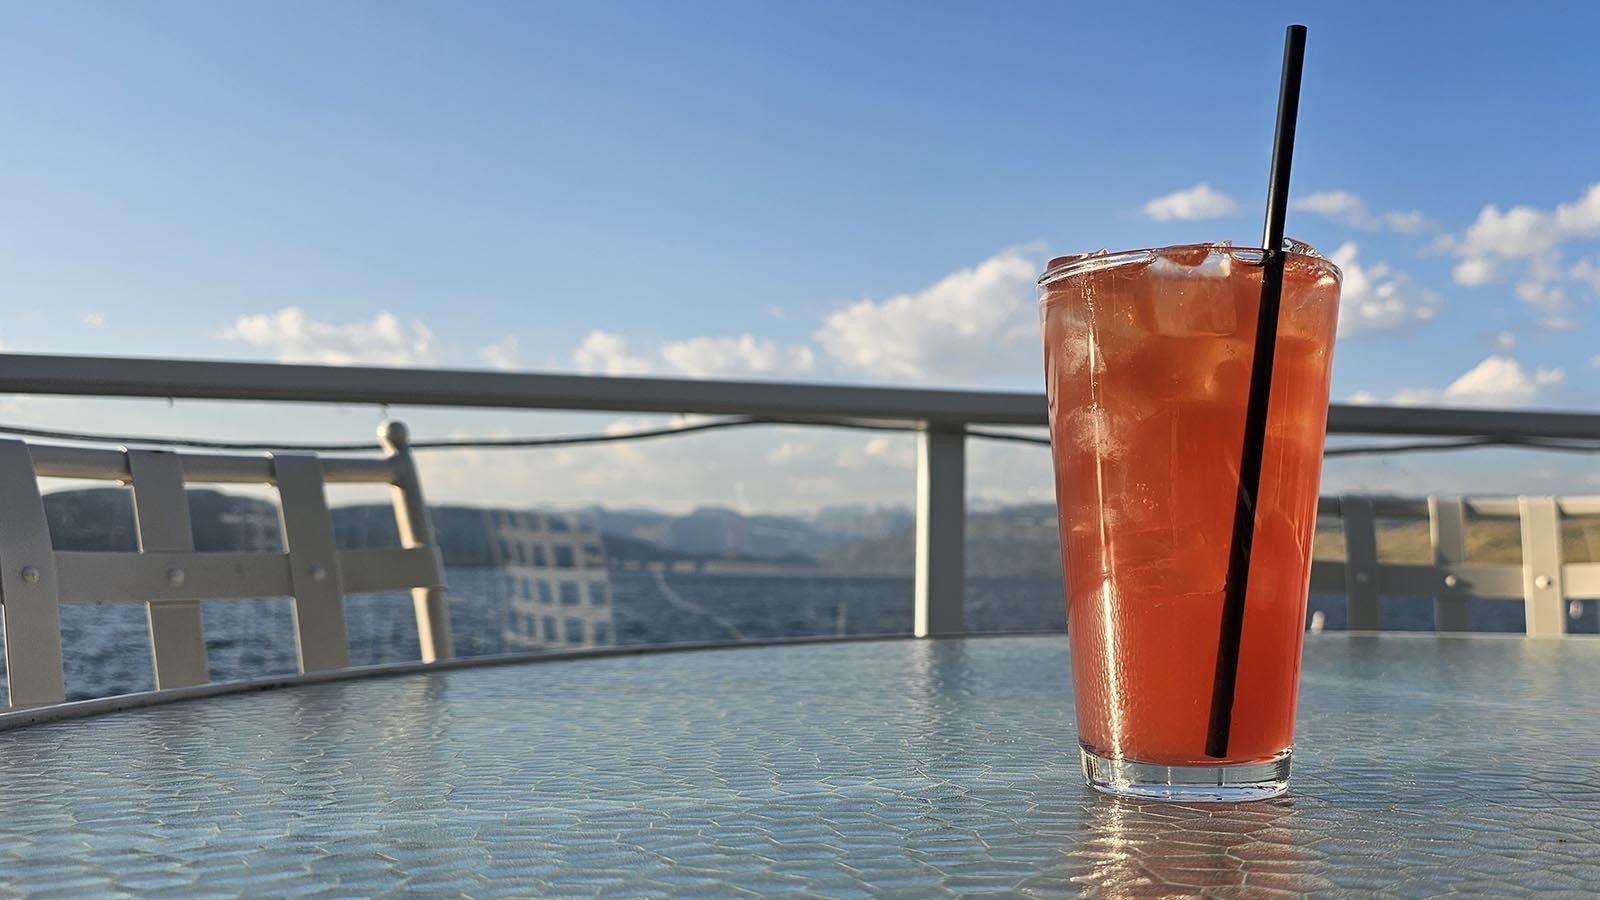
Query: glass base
[{"x": 1231, "y": 783}]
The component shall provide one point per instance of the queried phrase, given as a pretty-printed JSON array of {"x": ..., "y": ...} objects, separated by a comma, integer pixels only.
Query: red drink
[{"x": 1147, "y": 369}]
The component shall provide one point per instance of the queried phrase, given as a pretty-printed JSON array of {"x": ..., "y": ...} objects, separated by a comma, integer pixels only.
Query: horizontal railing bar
[
  {"x": 1382, "y": 507},
  {"x": 1578, "y": 506},
  {"x": 388, "y": 569},
  {"x": 200, "y": 379},
  {"x": 1582, "y": 581},
  {"x": 1482, "y": 582},
  {"x": 1479, "y": 581},
  {"x": 1440, "y": 422},
  {"x": 1481, "y": 507},
  {"x": 122, "y": 577},
  {"x": 101, "y": 577},
  {"x": 1327, "y": 576},
  {"x": 51, "y": 461},
  {"x": 127, "y": 377}
]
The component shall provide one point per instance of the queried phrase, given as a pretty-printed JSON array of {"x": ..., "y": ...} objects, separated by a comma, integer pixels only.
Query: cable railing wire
[
  {"x": 150, "y": 440},
  {"x": 1559, "y": 445}
]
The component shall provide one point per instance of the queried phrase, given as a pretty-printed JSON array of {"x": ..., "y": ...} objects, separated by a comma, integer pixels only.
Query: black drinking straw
[{"x": 1255, "y": 421}]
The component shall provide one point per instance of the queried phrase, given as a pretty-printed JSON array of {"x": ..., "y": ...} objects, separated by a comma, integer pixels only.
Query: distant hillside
[
  {"x": 716, "y": 532},
  {"x": 102, "y": 519},
  {"x": 1024, "y": 541},
  {"x": 1016, "y": 541}
]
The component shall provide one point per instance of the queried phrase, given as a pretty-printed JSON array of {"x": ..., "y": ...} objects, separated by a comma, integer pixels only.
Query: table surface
[{"x": 919, "y": 767}]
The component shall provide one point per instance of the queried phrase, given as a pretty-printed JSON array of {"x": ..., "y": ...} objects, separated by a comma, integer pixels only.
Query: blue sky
[{"x": 828, "y": 191}]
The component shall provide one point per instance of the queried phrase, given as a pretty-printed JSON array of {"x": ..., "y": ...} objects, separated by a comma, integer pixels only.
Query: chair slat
[
  {"x": 314, "y": 573},
  {"x": 1542, "y": 587},
  {"x": 1361, "y": 561},
  {"x": 93, "y": 576},
  {"x": 28, "y": 586},
  {"x": 99, "y": 577},
  {"x": 161, "y": 517},
  {"x": 1582, "y": 580},
  {"x": 416, "y": 532},
  {"x": 1447, "y": 529},
  {"x": 389, "y": 569}
]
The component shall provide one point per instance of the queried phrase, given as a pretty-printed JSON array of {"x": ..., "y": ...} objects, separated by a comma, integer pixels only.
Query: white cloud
[
  {"x": 971, "y": 322},
  {"x": 1416, "y": 397},
  {"x": 675, "y": 474},
  {"x": 1362, "y": 398},
  {"x": 891, "y": 451},
  {"x": 1199, "y": 202},
  {"x": 1505, "y": 340},
  {"x": 502, "y": 354},
  {"x": 1496, "y": 381},
  {"x": 291, "y": 336},
  {"x": 1500, "y": 379},
  {"x": 1532, "y": 239},
  {"x": 1582, "y": 218},
  {"x": 607, "y": 353},
  {"x": 1587, "y": 271},
  {"x": 1443, "y": 243},
  {"x": 1341, "y": 206},
  {"x": 883, "y": 450},
  {"x": 706, "y": 357},
  {"x": 1349, "y": 209},
  {"x": 1375, "y": 299},
  {"x": 1411, "y": 221},
  {"x": 1474, "y": 271},
  {"x": 1520, "y": 232},
  {"x": 636, "y": 424},
  {"x": 1542, "y": 295},
  {"x": 790, "y": 451},
  {"x": 93, "y": 319}
]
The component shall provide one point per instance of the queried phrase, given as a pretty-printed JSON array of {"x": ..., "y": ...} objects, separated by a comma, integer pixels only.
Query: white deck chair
[{"x": 170, "y": 578}]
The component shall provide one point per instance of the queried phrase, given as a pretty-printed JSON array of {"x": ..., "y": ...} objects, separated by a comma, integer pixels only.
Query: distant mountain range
[
  {"x": 1011, "y": 541},
  {"x": 1016, "y": 541}
]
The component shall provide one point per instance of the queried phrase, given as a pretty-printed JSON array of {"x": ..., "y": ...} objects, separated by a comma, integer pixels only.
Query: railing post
[
  {"x": 316, "y": 582},
  {"x": 1360, "y": 562},
  {"x": 1543, "y": 588},
  {"x": 416, "y": 530},
  {"x": 161, "y": 518},
  {"x": 941, "y": 529},
  {"x": 1447, "y": 528},
  {"x": 28, "y": 585}
]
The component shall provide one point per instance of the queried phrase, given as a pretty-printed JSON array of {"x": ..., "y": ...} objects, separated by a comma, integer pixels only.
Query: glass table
[{"x": 1425, "y": 764}]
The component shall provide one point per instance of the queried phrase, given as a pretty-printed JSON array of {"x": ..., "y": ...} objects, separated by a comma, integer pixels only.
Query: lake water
[{"x": 106, "y": 648}]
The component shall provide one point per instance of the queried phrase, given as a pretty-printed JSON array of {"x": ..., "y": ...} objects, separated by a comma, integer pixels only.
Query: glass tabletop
[{"x": 1423, "y": 765}]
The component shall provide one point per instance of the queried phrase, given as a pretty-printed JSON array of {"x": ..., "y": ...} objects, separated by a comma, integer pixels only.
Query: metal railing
[
  {"x": 942, "y": 418},
  {"x": 170, "y": 578},
  {"x": 1543, "y": 580}
]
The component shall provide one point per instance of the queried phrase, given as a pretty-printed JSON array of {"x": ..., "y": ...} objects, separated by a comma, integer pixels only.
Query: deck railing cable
[
  {"x": 1560, "y": 445},
  {"x": 440, "y": 443},
  {"x": 150, "y": 440}
]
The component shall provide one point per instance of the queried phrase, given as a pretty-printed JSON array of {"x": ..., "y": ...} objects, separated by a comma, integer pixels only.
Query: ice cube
[
  {"x": 1068, "y": 355},
  {"x": 1075, "y": 257},
  {"x": 1187, "y": 256},
  {"x": 1290, "y": 245},
  {"x": 1094, "y": 431},
  {"x": 1192, "y": 300}
]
